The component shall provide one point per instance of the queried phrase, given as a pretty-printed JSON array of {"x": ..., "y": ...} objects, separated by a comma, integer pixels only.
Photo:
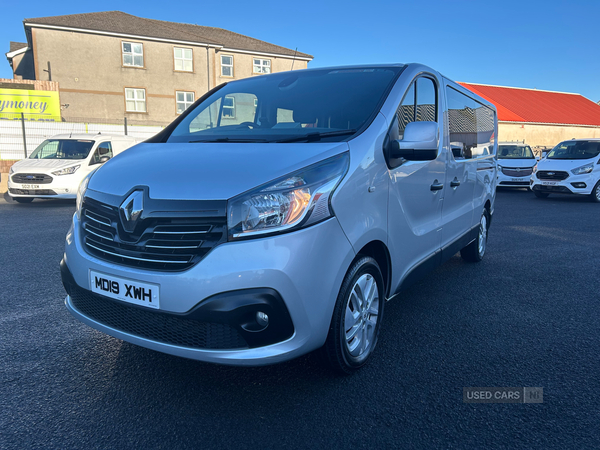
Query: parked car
[
  {"x": 57, "y": 166},
  {"x": 515, "y": 164},
  {"x": 279, "y": 213},
  {"x": 572, "y": 167}
]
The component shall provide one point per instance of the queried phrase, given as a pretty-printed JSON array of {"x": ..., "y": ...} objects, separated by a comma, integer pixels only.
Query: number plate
[
  {"x": 549, "y": 183},
  {"x": 518, "y": 179},
  {"x": 130, "y": 291},
  {"x": 30, "y": 186}
]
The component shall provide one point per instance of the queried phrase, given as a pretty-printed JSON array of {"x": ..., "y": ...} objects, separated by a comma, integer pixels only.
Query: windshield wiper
[
  {"x": 226, "y": 139},
  {"x": 316, "y": 136}
]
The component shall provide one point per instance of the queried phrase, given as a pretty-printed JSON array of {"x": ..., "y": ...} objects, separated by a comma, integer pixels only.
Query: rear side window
[
  {"x": 471, "y": 126},
  {"x": 418, "y": 105}
]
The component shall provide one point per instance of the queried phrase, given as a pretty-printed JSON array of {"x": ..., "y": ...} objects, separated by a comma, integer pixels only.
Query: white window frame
[
  {"x": 183, "y": 59},
  {"x": 186, "y": 104},
  {"x": 227, "y": 65},
  {"x": 232, "y": 108},
  {"x": 137, "y": 98},
  {"x": 132, "y": 53},
  {"x": 257, "y": 68}
]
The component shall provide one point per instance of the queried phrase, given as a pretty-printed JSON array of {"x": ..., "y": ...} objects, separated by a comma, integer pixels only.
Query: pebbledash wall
[{"x": 544, "y": 134}]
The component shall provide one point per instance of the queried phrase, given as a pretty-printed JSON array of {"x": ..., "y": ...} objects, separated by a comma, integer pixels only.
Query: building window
[
  {"x": 226, "y": 65},
  {"x": 135, "y": 100},
  {"x": 261, "y": 65},
  {"x": 184, "y": 100},
  {"x": 183, "y": 59},
  {"x": 133, "y": 54},
  {"x": 229, "y": 107}
]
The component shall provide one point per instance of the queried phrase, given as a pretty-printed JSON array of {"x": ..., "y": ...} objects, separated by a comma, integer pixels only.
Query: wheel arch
[{"x": 380, "y": 253}]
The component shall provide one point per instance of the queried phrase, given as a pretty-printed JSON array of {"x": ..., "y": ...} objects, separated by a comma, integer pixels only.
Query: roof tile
[{"x": 122, "y": 23}]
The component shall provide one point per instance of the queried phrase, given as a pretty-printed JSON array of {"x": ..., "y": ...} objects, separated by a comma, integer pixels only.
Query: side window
[
  {"x": 471, "y": 126},
  {"x": 419, "y": 104},
  {"x": 103, "y": 150}
]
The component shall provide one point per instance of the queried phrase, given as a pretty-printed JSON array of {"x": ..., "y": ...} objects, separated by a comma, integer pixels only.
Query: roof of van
[
  {"x": 92, "y": 136},
  {"x": 537, "y": 106}
]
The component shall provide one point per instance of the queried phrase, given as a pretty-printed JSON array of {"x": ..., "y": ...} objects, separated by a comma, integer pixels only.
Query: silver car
[{"x": 279, "y": 213}]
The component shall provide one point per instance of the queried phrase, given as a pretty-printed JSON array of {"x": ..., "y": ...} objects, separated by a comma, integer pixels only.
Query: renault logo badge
[{"x": 131, "y": 210}]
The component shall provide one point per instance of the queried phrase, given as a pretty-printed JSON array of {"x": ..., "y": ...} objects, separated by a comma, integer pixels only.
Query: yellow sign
[{"x": 35, "y": 105}]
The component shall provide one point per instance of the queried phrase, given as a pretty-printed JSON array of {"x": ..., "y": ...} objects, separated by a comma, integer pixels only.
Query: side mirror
[
  {"x": 420, "y": 142},
  {"x": 537, "y": 158},
  {"x": 103, "y": 159}
]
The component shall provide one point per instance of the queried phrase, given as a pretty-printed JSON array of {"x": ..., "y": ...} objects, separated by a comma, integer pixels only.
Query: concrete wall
[
  {"x": 93, "y": 79},
  {"x": 543, "y": 135}
]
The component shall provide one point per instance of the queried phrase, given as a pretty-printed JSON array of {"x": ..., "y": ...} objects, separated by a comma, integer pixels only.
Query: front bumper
[
  {"x": 514, "y": 182},
  {"x": 574, "y": 184},
  {"x": 300, "y": 271},
  {"x": 64, "y": 186}
]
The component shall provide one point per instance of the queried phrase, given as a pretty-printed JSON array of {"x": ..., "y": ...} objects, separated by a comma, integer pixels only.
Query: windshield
[
  {"x": 515, "y": 152},
  {"x": 62, "y": 149},
  {"x": 575, "y": 150},
  {"x": 296, "y": 106}
]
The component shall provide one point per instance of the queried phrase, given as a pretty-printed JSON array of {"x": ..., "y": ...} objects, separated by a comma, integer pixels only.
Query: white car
[
  {"x": 515, "y": 164},
  {"x": 57, "y": 166},
  {"x": 572, "y": 167}
]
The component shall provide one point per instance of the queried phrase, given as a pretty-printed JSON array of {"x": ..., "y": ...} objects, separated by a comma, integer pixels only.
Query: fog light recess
[{"x": 262, "y": 319}]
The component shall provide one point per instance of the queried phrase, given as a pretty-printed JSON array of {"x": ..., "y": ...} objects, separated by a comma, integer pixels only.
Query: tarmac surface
[{"x": 528, "y": 315}]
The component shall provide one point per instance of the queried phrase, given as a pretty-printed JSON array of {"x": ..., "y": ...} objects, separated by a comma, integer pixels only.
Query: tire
[
  {"x": 539, "y": 194},
  {"x": 349, "y": 345},
  {"x": 595, "y": 195},
  {"x": 23, "y": 199},
  {"x": 475, "y": 251}
]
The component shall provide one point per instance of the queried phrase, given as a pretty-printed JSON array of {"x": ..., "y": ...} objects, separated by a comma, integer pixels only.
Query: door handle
[
  {"x": 436, "y": 186},
  {"x": 455, "y": 183}
]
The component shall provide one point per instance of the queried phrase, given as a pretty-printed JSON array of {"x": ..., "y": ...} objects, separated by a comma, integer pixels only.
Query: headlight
[
  {"x": 67, "y": 171},
  {"x": 81, "y": 193},
  {"x": 291, "y": 202},
  {"x": 534, "y": 168},
  {"x": 583, "y": 169},
  {"x": 11, "y": 170}
]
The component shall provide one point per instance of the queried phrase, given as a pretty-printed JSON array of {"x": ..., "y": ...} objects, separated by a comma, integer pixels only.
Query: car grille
[
  {"x": 158, "y": 243},
  {"x": 31, "y": 191},
  {"x": 517, "y": 172},
  {"x": 156, "y": 326},
  {"x": 552, "y": 175},
  {"x": 514, "y": 183},
  {"x": 31, "y": 178}
]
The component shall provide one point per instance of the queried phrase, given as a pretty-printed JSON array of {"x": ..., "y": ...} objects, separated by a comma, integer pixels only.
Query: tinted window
[
  {"x": 279, "y": 106},
  {"x": 575, "y": 150},
  {"x": 471, "y": 126},
  {"x": 419, "y": 104}
]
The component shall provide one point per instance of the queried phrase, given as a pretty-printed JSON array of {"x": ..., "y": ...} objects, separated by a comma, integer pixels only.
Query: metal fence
[{"x": 19, "y": 136}]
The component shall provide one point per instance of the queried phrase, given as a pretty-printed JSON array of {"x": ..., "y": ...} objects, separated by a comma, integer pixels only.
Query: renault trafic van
[
  {"x": 279, "y": 213},
  {"x": 57, "y": 166}
]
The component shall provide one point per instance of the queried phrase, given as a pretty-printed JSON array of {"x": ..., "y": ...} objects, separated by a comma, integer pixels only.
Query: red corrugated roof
[{"x": 531, "y": 105}]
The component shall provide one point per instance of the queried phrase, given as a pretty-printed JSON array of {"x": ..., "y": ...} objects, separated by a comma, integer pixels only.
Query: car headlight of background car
[
  {"x": 583, "y": 169},
  {"x": 11, "y": 170},
  {"x": 67, "y": 170},
  {"x": 288, "y": 203}
]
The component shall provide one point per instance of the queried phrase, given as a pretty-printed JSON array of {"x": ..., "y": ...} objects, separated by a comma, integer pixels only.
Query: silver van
[{"x": 279, "y": 213}]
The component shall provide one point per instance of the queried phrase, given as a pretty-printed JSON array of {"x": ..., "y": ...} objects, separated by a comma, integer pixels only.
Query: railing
[{"x": 20, "y": 136}]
